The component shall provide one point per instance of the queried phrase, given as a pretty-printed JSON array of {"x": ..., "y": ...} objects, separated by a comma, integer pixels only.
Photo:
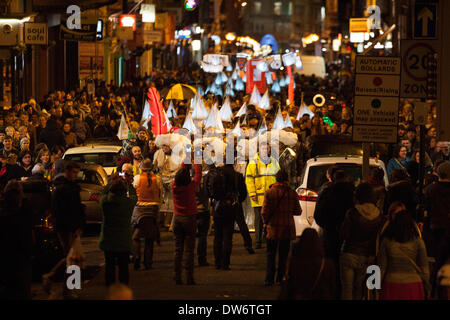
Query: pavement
[{"x": 244, "y": 281}]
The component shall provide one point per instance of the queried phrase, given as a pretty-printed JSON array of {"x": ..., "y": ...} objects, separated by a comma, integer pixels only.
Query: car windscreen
[
  {"x": 104, "y": 159},
  {"x": 317, "y": 175},
  {"x": 90, "y": 177}
]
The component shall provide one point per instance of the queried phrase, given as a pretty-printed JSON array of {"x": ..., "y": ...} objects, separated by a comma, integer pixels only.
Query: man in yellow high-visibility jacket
[{"x": 260, "y": 175}]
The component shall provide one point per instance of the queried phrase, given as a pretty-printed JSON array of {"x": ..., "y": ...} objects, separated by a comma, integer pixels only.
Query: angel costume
[{"x": 167, "y": 169}]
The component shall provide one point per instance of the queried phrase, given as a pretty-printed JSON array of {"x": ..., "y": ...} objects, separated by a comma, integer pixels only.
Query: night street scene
[{"x": 221, "y": 158}]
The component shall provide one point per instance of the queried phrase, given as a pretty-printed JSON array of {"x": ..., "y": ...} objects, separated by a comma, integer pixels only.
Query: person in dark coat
[
  {"x": 51, "y": 135},
  {"x": 116, "y": 232},
  {"x": 36, "y": 190},
  {"x": 16, "y": 243},
  {"x": 69, "y": 217},
  {"x": 25, "y": 164},
  {"x": 278, "y": 211},
  {"x": 401, "y": 190},
  {"x": 332, "y": 205},
  {"x": 233, "y": 192},
  {"x": 8, "y": 171},
  {"x": 310, "y": 275},
  {"x": 437, "y": 201},
  {"x": 358, "y": 234},
  {"x": 101, "y": 130}
]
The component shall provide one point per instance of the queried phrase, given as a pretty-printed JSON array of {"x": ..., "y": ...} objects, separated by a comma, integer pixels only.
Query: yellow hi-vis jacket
[{"x": 259, "y": 177}]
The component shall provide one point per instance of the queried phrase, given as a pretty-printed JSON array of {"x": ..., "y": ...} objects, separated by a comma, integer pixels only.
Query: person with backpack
[
  {"x": 278, "y": 211},
  {"x": 229, "y": 191},
  {"x": 146, "y": 213},
  {"x": 260, "y": 175}
]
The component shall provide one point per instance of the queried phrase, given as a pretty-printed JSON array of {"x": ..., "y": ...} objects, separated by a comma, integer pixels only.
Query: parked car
[
  {"x": 92, "y": 179},
  {"x": 339, "y": 152},
  {"x": 99, "y": 154}
]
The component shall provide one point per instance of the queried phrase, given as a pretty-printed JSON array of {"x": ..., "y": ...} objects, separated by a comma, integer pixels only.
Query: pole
[{"x": 422, "y": 162}]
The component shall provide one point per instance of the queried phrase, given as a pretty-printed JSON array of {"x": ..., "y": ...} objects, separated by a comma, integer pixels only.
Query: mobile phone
[{"x": 122, "y": 174}]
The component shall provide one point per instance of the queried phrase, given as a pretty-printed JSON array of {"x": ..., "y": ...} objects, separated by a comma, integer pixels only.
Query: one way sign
[{"x": 425, "y": 20}]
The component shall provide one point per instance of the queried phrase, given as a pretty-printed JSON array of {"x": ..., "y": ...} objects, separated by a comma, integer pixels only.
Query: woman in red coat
[{"x": 278, "y": 211}]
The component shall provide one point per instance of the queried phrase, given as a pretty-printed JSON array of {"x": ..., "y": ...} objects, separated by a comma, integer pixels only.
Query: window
[
  {"x": 290, "y": 8},
  {"x": 277, "y": 8},
  {"x": 103, "y": 159},
  {"x": 317, "y": 175},
  {"x": 257, "y": 7}
]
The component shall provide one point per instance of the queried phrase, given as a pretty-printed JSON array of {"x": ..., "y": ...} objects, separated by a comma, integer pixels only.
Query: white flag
[
  {"x": 225, "y": 112},
  {"x": 171, "y": 113},
  {"x": 279, "y": 122},
  {"x": 264, "y": 103},
  {"x": 256, "y": 96},
  {"x": 122, "y": 134}
]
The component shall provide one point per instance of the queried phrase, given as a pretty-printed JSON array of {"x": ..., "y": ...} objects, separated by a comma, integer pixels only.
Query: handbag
[
  {"x": 76, "y": 255},
  {"x": 426, "y": 282}
]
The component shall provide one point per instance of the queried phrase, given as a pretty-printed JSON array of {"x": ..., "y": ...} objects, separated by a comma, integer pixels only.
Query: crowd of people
[{"x": 393, "y": 226}]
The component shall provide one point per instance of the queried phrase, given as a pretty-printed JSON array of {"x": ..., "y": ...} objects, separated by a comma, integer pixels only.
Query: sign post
[
  {"x": 377, "y": 91},
  {"x": 35, "y": 33},
  {"x": 415, "y": 55}
]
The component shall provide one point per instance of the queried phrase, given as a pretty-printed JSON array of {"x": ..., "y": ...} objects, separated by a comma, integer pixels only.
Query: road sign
[
  {"x": 152, "y": 35},
  {"x": 421, "y": 113},
  {"x": 379, "y": 85},
  {"x": 35, "y": 33},
  {"x": 377, "y": 90},
  {"x": 378, "y": 65},
  {"x": 375, "y": 134},
  {"x": 382, "y": 111},
  {"x": 425, "y": 20},
  {"x": 359, "y": 25},
  {"x": 414, "y": 66}
]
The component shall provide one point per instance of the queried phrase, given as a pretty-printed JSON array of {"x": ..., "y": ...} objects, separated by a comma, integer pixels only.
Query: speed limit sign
[{"x": 414, "y": 67}]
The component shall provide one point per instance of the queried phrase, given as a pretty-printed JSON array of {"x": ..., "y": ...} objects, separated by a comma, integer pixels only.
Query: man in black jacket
[
  {"x": 437, "y": 199},
  {"x": 69, "y": 217},
  {"x": 36, "y": 190},
  {"x": 232, "y": 191},
  {"x": 51, "y": 135},
  {"x": 333, "y": 203}
]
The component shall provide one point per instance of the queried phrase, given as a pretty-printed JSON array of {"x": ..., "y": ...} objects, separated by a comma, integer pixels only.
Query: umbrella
[{"x": 179, "y": 92}]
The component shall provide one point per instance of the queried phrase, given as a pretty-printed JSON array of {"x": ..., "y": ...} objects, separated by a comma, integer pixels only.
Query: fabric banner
[
  {"x": 255, "y": 77},
  {"x": 122, "y": 134},
  {"x": 291, "y": 85},
  {"x": 156, "y": 108}
]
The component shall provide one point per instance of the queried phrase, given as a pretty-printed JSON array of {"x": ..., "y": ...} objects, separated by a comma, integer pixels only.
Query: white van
[{"x": 313, "y": 65}]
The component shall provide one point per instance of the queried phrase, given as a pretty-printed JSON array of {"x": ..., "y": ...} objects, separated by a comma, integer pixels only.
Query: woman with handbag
[{"x": 403, "y": 261}]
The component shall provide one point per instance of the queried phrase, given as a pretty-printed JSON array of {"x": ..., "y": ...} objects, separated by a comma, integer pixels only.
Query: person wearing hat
[
  {"x": 145, "y": 215},
  {"x": 437, "y": 201}
]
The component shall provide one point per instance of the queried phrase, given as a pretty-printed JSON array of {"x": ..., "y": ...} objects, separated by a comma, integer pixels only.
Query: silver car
[{"x": 92, "y": 179}]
